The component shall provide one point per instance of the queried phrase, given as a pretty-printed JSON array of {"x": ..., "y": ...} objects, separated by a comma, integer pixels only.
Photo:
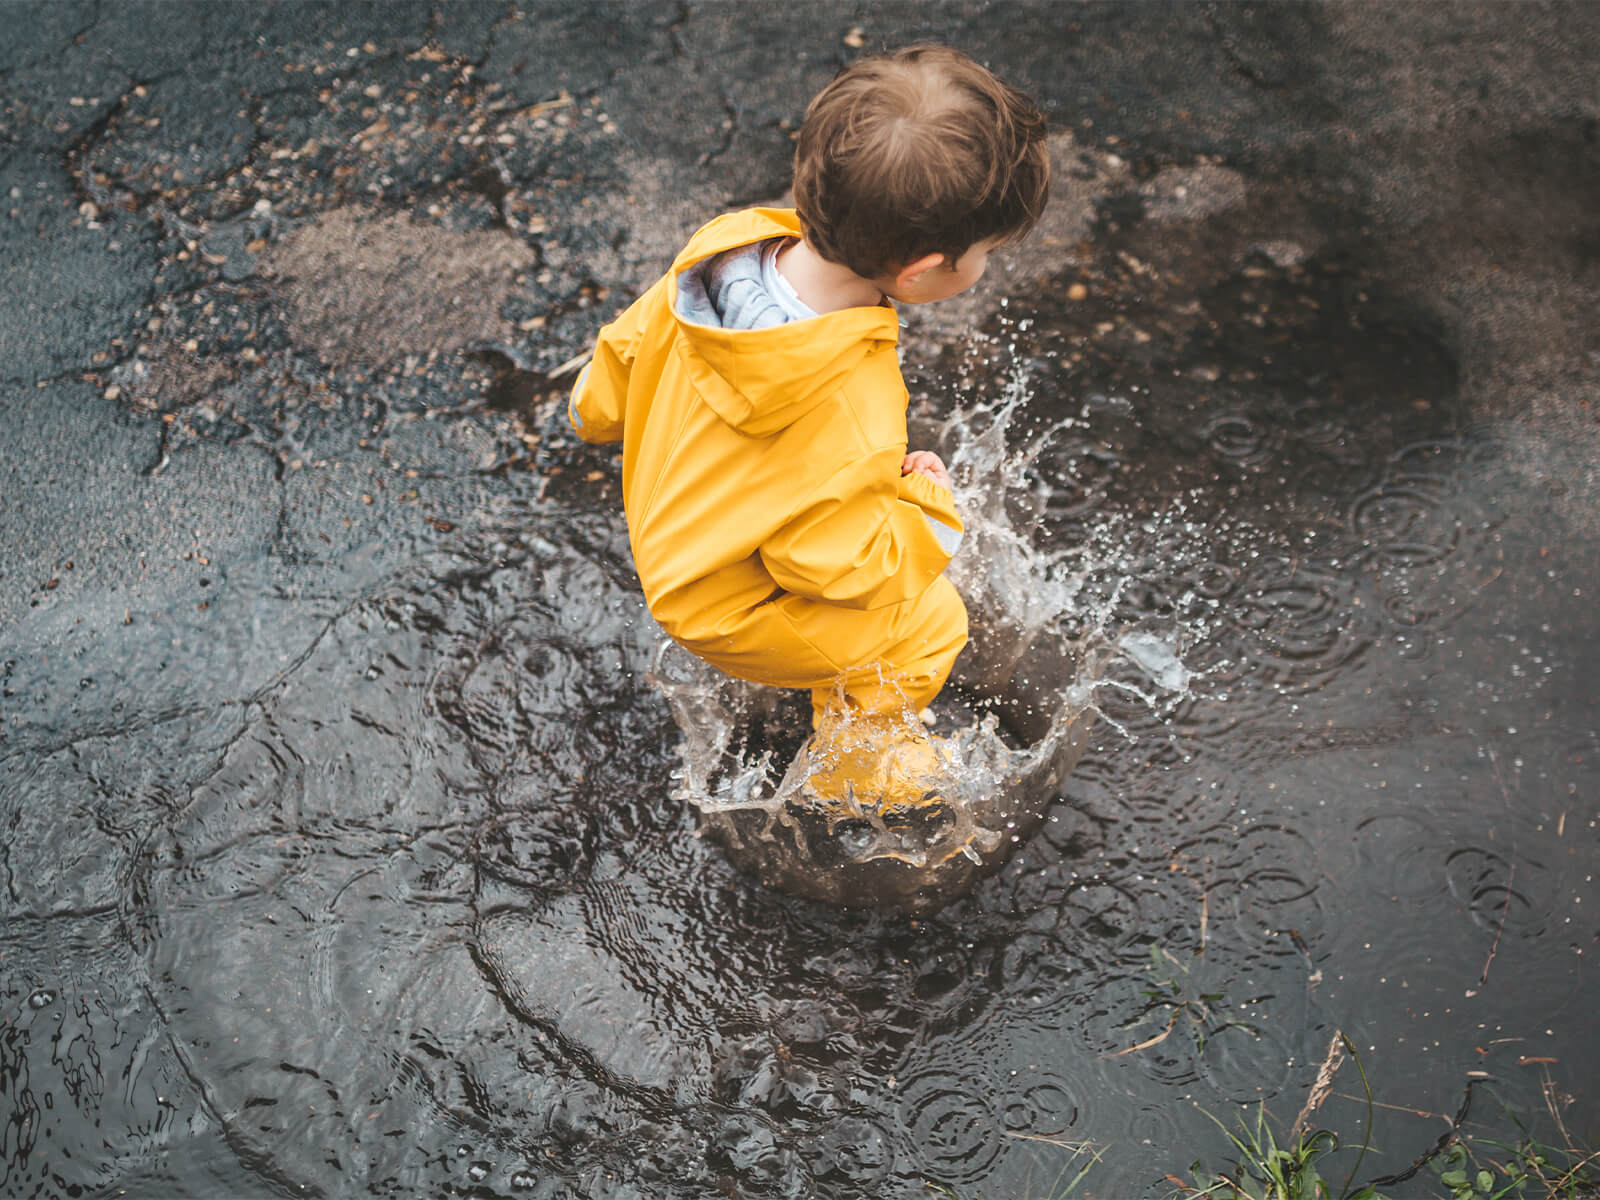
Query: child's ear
[{"x": 914, "y": 271}]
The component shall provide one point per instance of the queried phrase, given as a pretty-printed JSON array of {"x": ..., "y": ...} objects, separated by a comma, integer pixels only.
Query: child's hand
[{"x": 926, "y": 462}]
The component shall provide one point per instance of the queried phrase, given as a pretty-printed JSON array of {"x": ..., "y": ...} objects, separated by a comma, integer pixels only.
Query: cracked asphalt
[{"x": 281, "y": 280}]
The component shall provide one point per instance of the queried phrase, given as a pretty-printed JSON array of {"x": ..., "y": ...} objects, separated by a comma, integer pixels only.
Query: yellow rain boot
[{"x": 875, "y": 762}]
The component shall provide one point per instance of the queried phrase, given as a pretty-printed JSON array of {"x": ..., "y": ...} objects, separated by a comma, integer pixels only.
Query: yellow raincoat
[{"x": 772, "y": 530}]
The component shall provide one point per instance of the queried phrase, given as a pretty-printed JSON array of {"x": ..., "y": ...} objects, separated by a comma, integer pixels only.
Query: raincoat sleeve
[
  {"x": 867, "y": 537},
  {"x": 600, "y": 397}
]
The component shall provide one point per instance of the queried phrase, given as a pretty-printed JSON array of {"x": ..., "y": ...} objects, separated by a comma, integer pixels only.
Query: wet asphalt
[
  {"x": 282, "y": 285},
  {"x": 265, "y": 265}
]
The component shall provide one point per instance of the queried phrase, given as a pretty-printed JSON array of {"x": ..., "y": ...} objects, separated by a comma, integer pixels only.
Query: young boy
[{"x": 780, "y": 529}]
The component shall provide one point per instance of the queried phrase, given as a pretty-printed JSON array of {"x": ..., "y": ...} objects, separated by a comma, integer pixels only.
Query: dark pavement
[
  {"x": 281, "y": 284},
  {"x": 246, "y": 246}
]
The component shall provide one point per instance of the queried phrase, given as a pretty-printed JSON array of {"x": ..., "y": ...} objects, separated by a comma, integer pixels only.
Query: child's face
[{"x": 945, "y": 279}]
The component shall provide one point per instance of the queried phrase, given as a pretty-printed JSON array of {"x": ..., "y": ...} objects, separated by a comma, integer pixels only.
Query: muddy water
[{"x": 428, "y": 915}]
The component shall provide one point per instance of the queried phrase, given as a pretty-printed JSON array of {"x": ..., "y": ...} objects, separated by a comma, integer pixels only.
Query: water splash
[
  {"x": 1048, "y": 633},
  {"x": 1156, "y": 659}
]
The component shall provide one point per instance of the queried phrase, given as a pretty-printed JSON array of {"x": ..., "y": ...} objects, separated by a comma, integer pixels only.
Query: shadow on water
[{"x": 430, "y": 915}]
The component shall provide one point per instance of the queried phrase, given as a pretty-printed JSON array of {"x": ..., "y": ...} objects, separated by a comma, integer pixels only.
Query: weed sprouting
[
  {"x": 1481, "y": 1168},
  {"x": 1466, "y": 1166},
  {"x": 1268, "y": 1171}
]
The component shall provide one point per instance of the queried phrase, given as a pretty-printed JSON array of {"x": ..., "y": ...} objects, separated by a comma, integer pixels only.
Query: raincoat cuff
[
  {"x": 938, "y": 502},
  {"x": 572, "y": 397},
  {"x": 598, "y": 428},
  {"x": 938, "y": 505}
]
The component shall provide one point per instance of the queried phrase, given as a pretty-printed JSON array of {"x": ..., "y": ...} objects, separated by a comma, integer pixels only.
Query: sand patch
[{"x": 361, "y": 289}]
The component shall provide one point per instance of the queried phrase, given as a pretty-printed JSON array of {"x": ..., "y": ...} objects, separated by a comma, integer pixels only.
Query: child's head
[{"x": 920, "y": 151}]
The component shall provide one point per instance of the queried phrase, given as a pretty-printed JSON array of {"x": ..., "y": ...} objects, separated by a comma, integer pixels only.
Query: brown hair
[{"x": 917, "y": 151}]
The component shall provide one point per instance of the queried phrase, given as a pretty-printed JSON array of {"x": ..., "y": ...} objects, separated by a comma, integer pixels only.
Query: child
[{"x": 780, "y": 529}]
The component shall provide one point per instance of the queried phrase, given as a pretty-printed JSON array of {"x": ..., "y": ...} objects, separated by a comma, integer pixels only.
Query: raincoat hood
[{"x": 782, "y": 372}]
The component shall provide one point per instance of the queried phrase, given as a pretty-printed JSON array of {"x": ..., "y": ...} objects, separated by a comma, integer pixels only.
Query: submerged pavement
[{"x": 283, "y": 284}]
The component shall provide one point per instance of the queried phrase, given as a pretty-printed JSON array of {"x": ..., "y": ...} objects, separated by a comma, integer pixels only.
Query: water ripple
[{"x": 952, "y": 1128}]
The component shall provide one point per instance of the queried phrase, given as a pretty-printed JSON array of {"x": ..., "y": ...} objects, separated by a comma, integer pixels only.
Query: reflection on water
[{"x": 428, "y": 915}]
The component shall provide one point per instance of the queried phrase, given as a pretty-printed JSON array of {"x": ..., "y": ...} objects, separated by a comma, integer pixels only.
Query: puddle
[{"x": 428, "y": 912}]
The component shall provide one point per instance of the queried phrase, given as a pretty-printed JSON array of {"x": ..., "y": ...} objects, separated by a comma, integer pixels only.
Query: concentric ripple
[{"x": 952, "y": 1128}]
